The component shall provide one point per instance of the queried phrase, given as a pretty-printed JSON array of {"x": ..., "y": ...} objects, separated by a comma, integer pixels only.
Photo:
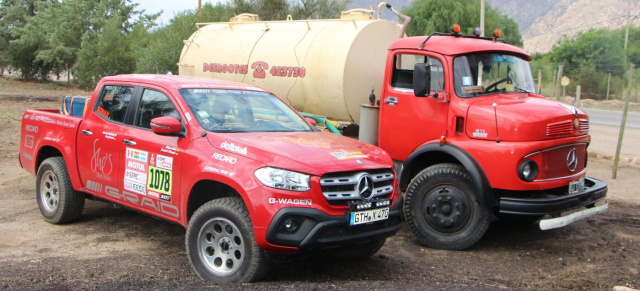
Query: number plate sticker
[
  {"x": 576, "y": 186},
  {"x": 367, "y": 216},
  {"x": 159, "y": 180}
]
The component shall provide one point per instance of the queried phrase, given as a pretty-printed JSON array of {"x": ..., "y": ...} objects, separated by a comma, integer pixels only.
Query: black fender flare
[{"x": 482, "y": 186}]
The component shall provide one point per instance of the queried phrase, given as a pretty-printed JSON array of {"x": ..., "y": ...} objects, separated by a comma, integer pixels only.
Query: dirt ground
[{"x": 114, "y": 248}]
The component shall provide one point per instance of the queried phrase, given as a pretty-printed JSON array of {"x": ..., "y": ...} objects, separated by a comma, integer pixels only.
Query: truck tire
[
  {"x": 57, "y": 200},
  {"x": 441, "y": 210},
  {"x": 221, "y": 244},
  {"x": 361, "y": 252}
]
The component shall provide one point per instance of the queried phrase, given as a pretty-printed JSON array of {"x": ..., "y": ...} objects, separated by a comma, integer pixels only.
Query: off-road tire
[
  {"x": 441, "y": 210},
  {"x": 361, "y": 252},
  {"x": 57, "y": 200},
  {"x": 221, "y": 244}
]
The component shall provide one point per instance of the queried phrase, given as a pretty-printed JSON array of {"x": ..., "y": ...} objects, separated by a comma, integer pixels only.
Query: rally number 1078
[{"x": 159, "y": 180}]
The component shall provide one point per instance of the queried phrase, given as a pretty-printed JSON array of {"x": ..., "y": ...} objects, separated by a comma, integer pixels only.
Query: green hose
[{"x": 322, "y": 120}]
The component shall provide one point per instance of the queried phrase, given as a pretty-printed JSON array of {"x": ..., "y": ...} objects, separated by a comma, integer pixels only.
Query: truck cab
[{"x": 475, "y": 141}]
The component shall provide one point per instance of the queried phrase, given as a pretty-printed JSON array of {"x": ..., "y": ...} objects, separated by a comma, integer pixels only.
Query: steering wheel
[{"x": 488, "y": 89}]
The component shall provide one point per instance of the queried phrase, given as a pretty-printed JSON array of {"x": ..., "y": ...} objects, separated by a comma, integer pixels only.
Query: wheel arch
[
  {"x": 434, "y": 153},
  {"x": 206, "y": 190}
]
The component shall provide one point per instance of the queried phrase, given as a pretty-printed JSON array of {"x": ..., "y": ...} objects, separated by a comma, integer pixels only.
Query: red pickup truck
[{"x": 241, "y": 170}]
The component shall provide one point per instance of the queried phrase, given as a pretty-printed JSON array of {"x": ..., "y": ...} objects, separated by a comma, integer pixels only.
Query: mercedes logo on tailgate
[
  {"x": 572, "y": 160},
  {"x": 365, "y": 187}
]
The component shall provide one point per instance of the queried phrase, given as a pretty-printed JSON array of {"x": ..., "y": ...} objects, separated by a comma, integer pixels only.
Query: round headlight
[{"x": 528, "y": 170}]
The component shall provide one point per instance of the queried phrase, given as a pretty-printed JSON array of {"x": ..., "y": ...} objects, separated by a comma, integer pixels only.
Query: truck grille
[
  {"x": 343, "y": 187},
  {"x": 565, "y": 128}
]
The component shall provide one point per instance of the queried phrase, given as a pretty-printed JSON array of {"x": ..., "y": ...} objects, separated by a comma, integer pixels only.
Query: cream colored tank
[{"x": 324, "y": 67}]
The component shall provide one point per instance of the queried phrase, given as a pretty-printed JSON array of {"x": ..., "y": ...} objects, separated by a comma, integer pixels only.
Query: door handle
[
  {"x": 129, "y": 142},
  {"x": 392, "y": 101},
  {"x": 86, "y": 132}
]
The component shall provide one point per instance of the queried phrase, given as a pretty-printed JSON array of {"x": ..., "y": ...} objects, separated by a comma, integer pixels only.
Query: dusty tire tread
[
  {"x": 71, "y": 202},
  {"x": 423, "y": 177},
  {"x": 257, "y": 268}
]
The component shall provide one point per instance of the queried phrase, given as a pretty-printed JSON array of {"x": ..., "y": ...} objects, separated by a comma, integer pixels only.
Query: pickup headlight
[{"x": 283, "y": 179}]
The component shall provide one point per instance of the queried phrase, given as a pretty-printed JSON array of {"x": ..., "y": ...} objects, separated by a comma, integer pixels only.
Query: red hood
[
  {"x": 523, "y": 117},
  {"x": 314, "y": 153}
]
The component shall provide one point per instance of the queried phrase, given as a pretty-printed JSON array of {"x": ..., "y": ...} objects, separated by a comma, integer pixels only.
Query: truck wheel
[
  {"x": 362, "y": 252},
  {"x": 441, "y": 210},
  {"x": 57, "y": 200},
  {"x": 221, "y": 244}
]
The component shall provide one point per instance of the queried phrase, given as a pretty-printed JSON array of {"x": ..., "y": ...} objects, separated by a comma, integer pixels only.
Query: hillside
[{"x": 544, "y": 22}]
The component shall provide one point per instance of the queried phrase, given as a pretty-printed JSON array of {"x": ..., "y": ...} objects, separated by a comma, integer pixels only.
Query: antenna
[{"x": 495, "y": 113}]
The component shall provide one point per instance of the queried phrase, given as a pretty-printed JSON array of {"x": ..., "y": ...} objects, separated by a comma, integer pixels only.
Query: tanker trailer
[{"x": 326, "y": 67}]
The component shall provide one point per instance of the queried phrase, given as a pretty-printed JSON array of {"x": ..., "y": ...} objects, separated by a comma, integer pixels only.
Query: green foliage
[{"x": 428, "y": 16}]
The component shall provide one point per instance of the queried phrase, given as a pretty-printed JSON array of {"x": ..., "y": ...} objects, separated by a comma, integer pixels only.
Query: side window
[
  {"x": 114, "y": 102},
  {"x": 402, "y": 75},
  {"x": 154, "y": 104}
]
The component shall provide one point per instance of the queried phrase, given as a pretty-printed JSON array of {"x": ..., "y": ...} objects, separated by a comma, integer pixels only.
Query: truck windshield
[
  {"x": 485, "y": 74},
  {"x": 221, "y": 110}
]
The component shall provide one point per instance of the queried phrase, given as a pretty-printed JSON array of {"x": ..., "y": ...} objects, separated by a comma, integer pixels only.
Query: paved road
[{"x": 613, "y": 118}]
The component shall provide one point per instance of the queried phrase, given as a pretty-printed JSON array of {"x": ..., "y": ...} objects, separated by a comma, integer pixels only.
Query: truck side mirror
[
  {"x": 421, "y": 80},
  {"x": 166, "y": 125}
]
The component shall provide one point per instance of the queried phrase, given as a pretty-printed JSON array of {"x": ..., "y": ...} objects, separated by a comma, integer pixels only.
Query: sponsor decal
[
  {"x": 225, "y": 68},
  {"x": 103, "y": 111},
  {"x": 345, "y": 155},
  {"x": 169, "y": 150},
  {"x": 137, "y": 155},
  {"x": 51, "y": 139},
  {"x": 31, "y": 128},
  {"x": 164, "y": 162},
  {"x": 135, "y": 165},
  {"x": 135, "y": 187},
  {"x": 135, "y": 176},
  {"x": 220, "y": 171},
  {"x": 234, "y": 148},
  {"x": 50, "y": 120},
  {"x": 480, "y": 133},
  {"x": 165, "y": 197},
  {"x": 224, "y": 158},
  {"x": 101, "y": 164},
  {"x": 143, "y": 202},
  {"x": 109, "y": 135},
  {"x": 286, "y": 201},
  {"x": 153, "y": 194},
  {"x": 28, "y": 141}
]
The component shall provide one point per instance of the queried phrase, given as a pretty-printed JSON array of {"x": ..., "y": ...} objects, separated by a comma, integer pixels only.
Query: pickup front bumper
[
  {"x": 553, "y": 202},
  {"x": 317, "y": 230}
]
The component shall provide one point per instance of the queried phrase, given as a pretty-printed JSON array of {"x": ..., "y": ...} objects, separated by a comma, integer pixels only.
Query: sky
[{"x": 169, "y": 7}]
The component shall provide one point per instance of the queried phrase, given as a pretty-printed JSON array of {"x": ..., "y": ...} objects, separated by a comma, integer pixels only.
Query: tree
[
  {"x": 161, "y": 52},
  {"x": 107, "y": 46},
  {"x": 428, "y": 16}
]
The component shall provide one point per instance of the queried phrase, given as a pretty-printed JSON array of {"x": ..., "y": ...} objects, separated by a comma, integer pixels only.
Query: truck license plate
[
  {"x": 367, "y": 216},
  {"x": 576, "y": 186}
]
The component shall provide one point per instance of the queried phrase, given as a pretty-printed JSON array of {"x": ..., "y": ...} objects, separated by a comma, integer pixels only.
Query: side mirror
[
  {"x": 421, "y": 80},
  {"x": 166, "y": 125}
]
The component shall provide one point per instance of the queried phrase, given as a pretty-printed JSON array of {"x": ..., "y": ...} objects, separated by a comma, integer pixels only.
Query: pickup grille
[{"x": 341, "y": 188}]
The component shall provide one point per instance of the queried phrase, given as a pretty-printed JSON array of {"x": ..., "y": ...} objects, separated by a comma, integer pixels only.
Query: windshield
[
  {"x": 221, "y": 110},
  {"x": 485, "y": 74}
]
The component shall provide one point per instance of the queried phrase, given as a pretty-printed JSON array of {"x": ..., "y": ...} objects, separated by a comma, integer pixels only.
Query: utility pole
[
  {"x": 624, "y": 122},
  {"x": 608, "y": 86},
  {"x": 199, "y": 10},
  {"x": 481, "y": 17}
]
